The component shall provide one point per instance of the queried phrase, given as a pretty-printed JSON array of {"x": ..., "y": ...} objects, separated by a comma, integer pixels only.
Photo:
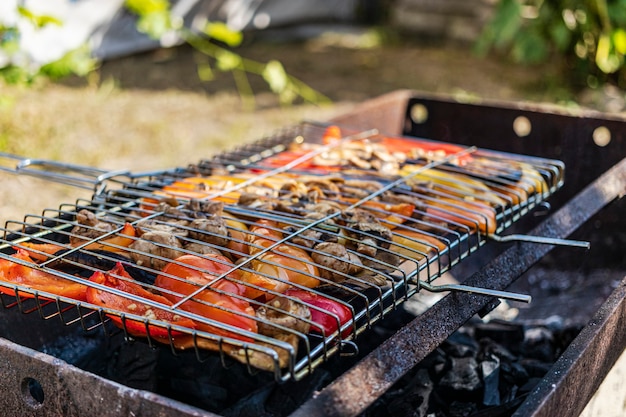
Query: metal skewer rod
[
  {"x": 476, "y": 290},
  {"x": 541, "y": 239}
]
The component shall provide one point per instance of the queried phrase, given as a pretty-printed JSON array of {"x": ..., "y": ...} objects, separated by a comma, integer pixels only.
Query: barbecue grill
[{"x": 458, "y": 202}]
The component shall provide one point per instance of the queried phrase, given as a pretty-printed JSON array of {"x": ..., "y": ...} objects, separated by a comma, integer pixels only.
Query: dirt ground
[{"x": 151, "y": 111}]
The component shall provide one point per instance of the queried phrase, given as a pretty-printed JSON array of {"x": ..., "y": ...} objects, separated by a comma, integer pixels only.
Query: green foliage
[
  {"x": 216, "y": 42},
  {"x": 588, "y": 35},
  {"x": 77, "y": 61},
  {"x": 153, "y": 16},
  {"x": 14, "y": 67},
  {"x": 38, "y": 21}
]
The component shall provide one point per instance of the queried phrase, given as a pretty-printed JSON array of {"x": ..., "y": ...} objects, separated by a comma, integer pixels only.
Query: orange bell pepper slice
[{"x": 37, "y": 279}]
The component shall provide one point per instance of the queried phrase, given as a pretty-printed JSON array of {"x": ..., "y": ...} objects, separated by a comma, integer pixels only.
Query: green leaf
[
  {"x": 77, "y": 61},
  {"x": 560, "y": 35},
  {"x": 508, "y": 22},
  {"x": 16, "y": 75},
  {"x": 287, "y": 96},
  {"x": 606, "y": 58},
  {"x": 38, "y": 21},
  {"x": 531, "y": 48},
  {"x": 205, "y": 72},
  {"x": 619, "y": 40},
  {"x": 155, "y": 24},
  {"x": 275, "y": 76},
  {"x": 219, "y": 31},
  {"x": 144, "y": 7},
  {"x": 227, "y": 61}
]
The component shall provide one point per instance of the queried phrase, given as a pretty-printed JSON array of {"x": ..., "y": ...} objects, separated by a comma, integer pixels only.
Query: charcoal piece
[
  {"x": 462, "y": 377},
  {"x": 461, "y": 409},
  {"x": 513, "y": 373},
  {"x": 490, "y": 370},
  {"x": 458, "y": 351},
  {"x": 285, "y": 398},
  {"x": 539, "y": 344},
  {"x": 508, "y": 334},
  {"x": 132, "y": 364},
  {"x": 536, "y": 368},
  {"x": 413, "y": 400},
  {"x": 489, "y": 347},
  {"x": 462, "y": 343},
  {"x": 529, "y": 385},
  {"x": 208, "y": 384},
  {"x": 251, "y": 405}
]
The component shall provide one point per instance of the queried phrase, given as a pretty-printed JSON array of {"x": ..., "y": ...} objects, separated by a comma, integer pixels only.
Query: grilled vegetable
[
  {"x": 283, "y": 265},
  {"x": 327, "y": 314},
  {"x": 119, "y": 279},
  {"x": 219, "y": 301},
  {"x": 414, "y": 244},
  {"x": 35, "y": 278},
  {"x": 117, "y": 243},
  {"x": 474, "y": 215}
]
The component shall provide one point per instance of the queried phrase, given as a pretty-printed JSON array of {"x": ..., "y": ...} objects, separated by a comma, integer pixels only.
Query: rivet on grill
[{"x": 601, "y": 136}]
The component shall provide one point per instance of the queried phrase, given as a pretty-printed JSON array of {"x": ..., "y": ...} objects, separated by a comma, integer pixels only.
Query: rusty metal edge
[
  {"x": 577, "y": 374},
  {"x": 71, "y": 392},
  {"x": 359, "y": 387}
]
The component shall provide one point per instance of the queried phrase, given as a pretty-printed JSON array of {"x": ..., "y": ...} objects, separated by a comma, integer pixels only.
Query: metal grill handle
[
  {"x": 70, "y": 174},
  {"x": 506, "y": 295}
]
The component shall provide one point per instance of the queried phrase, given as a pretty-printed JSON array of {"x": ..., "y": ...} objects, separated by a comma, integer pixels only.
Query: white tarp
[{"x": 110, "y": 31}]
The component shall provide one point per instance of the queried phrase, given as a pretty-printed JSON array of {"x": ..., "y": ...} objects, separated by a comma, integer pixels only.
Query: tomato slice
[
  {"x": 124, "y": 304},
  {"x": 35, "y": 278},
  {"x": 329, "y": 314},
  {"x": 178, "y": 278}
]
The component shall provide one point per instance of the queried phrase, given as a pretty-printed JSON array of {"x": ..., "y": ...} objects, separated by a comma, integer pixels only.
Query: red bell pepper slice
[
  {"x": 329, "y": 315},
  {"x": 123, "y": 304},
  {"x": 202, "y": 270},
  {"x": 35, "y": 278}
]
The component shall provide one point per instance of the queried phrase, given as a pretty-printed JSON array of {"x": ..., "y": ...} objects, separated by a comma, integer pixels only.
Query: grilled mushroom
[
  {"x": 89, "y": 227},
  {"x": 154, "y": 245},
  {"x": 212, "y": 230},
  {"x": 283, "y": 312},
  {"x": 336, "y": 261},
  {"x": 366, "y": 232}
]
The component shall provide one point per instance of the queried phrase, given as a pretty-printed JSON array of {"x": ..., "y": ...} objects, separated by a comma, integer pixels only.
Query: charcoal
[
  {"x": 514, "y": 373},
  {"x": 458, "y": 350},
  {"x": 462, "y": 342},
  {"x": 489, "y": 347},
  {"x": 285, "y": 398},
  {"x": 539, "y": 344},
  {"x": 133, "y": 364},
  {"x": 490, "y": 370},
  {"x": 529, "y": 385},
  {"x": 507, "y": 334},
  {"x": 413, "y": 401},
  {"x": 536, "y": 368},
  {"x": 461, "y": 409},
  {"x": 462, "y": 377}
]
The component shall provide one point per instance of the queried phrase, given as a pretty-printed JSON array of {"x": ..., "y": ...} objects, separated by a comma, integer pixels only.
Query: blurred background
[{"x": 154, "y": 84}]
